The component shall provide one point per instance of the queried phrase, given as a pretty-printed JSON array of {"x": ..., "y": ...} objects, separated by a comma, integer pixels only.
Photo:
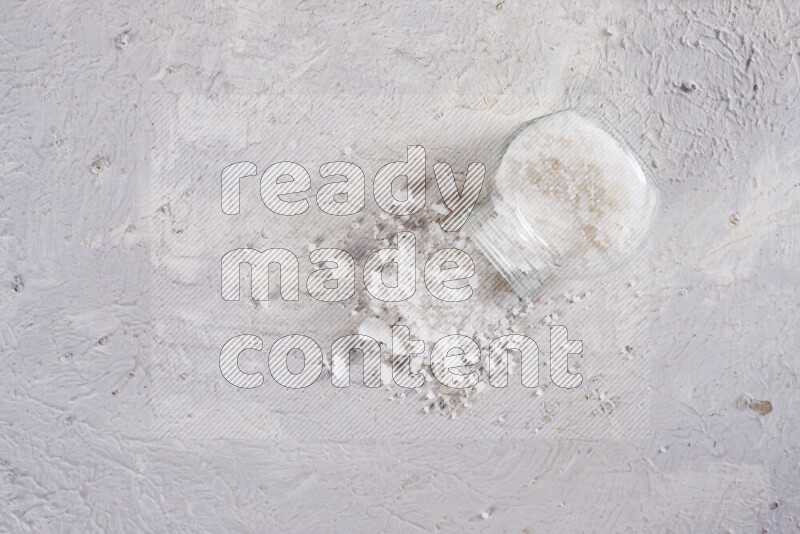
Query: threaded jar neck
[{"x": 512, "y": 247}]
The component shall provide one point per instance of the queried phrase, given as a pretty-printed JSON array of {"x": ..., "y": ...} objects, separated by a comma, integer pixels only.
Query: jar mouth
[{"x": 525, "y": 268}]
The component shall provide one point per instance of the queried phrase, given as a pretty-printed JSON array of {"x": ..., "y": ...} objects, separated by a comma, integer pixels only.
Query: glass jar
[{"x": 568, "y": 196}]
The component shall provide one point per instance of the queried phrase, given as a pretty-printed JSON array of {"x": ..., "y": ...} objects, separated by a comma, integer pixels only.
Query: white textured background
[{"x": 707, "y": 93}]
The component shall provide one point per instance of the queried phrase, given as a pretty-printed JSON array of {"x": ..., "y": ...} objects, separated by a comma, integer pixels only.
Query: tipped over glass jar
[{"x": 569, "y": 196}]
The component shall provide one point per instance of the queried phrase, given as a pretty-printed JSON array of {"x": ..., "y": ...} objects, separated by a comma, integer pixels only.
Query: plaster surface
[{"x": 707, "y": 94}]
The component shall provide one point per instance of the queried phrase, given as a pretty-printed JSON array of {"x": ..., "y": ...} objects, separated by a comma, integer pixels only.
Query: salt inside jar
[{"x": 568, "y": 196}]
